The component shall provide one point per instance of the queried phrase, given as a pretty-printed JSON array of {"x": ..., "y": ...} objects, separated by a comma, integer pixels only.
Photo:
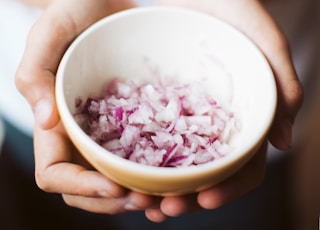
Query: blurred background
[{"x": 305, "y": 169}]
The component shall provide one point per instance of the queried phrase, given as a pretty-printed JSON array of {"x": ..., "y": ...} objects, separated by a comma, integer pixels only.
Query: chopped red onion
[{"x": 165, "y": 125}]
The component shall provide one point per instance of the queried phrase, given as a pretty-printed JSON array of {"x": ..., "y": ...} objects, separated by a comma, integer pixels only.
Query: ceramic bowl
[{"x": 146, "y": 42}]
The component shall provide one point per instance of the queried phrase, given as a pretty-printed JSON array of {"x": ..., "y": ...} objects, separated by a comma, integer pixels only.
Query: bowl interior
[{"x": 148, "y": 43}]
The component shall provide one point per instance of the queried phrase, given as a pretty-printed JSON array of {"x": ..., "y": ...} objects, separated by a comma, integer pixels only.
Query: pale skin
[{"x": 59, "y": 168}]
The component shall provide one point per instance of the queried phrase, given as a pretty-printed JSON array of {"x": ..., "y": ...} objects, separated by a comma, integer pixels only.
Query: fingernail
[
  {"x": 286, "y": 129},
  {"x": 42, "y": 111},
  {"x": 103, "y": 193},
  {"x": 131, "y": 207}
]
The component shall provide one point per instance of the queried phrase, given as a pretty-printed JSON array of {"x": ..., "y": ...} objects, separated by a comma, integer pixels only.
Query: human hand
[
  {"x": 58, "y": 166},
  {"x": 253, "y": 20}
]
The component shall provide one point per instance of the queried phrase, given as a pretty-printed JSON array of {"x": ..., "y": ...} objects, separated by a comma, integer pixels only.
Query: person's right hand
[{"x": 59, "y": 168}]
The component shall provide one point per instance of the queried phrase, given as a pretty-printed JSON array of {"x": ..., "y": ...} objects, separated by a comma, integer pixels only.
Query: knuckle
[
  {"x": 41, "y": 182},
  {"x": 294, "y": 97},
  {"x": 22, "y": 80},
  {"x": 298, "y": 93}
]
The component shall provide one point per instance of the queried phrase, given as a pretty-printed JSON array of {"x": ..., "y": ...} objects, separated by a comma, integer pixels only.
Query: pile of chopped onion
[{"x": 165, "y": 125}]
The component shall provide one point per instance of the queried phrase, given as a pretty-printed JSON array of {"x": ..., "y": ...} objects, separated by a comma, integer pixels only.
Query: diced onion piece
[{"x": 163, "y": 124}]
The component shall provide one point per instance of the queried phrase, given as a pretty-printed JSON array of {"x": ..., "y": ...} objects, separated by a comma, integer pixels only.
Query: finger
[
  {"x": 248, "y": 178},
  {"x": 45, "y": 46},
  {"x": 138, "y": 201},
  {"x": 290, "y": 98},
  {"x": 155, "y": 215},
  {"x": 154, "y": 212},
  {"x": 131, "y": 202},
  {"x": 56, "y": 173},
  {"x": 95, "y": 205},
  {"x": 289, "y": 89},
  {"x": 177, "y": 205}
]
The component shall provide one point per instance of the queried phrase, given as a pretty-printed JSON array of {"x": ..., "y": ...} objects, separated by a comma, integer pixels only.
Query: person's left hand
[
  {"x": 250, "y": 17},
  {"x": 58, "y": 167}
]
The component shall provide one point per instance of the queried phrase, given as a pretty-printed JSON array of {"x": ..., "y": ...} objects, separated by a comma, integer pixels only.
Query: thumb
[
  {"x": 38, "y": 88},
  {"x": 35, "y": 77}
]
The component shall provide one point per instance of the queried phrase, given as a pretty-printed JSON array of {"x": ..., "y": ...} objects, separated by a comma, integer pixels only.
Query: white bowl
[{"x": 173, "y": 42}]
